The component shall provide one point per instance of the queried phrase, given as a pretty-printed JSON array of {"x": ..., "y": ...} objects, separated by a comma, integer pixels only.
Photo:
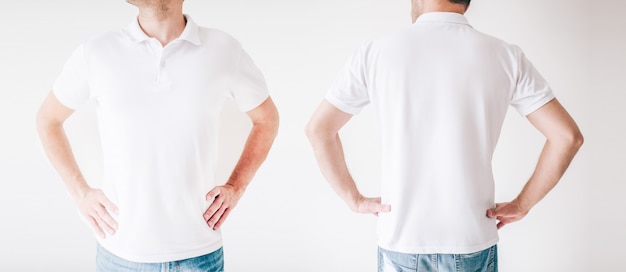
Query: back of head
[
  {"x": 419, "y": 7},
  {"x": 464, "y": 2}
]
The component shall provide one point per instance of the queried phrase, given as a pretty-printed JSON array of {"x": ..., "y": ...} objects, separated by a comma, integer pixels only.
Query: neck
[
  {"x": 438, "y": 6},
  {"x": 164, "y": 22}
]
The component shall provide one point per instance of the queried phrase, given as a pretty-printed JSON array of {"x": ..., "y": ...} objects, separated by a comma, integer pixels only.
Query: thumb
[
  {"x": 376, "y": 206},
  {"x": 384, "y": 208},
  {"x": 212, "y": 194},
  {"x": 493, "y": 213}
]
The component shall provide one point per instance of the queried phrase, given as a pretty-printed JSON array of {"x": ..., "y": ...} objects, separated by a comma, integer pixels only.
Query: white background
[{"x": 289, "y": 218}]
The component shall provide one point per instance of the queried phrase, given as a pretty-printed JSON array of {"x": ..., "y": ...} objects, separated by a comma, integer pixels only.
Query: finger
[
  {"x": 491, "y": 213},
  {"x": 213, "y": 194},
  {"x": 505, "y": 221},
  {"x": 501, "y": 209},
  {"x": 101, "y": 213},
  {"x": 222, "y": 219},
  {"x": 501, "y": 224},
  {"x": 215, "y": 206},
  {"x": 108, "y": 204},
  {"x": 103, "y": 226},
  {"x": 374, "y": 206},
  {"x": 106, "y": 217},
  {"x": 377, "y": 208},
  {"x": 96, "y": 227},
  {"x": 216, "y": 218}
]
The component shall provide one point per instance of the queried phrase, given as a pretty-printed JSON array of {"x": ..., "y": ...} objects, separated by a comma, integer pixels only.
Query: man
[
  {"x": 159, "y": 86},
  {"x": 440, "y": 90}
]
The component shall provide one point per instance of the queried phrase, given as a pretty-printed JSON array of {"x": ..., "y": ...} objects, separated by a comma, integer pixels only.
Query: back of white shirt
[{"x": 441, "y": 91}]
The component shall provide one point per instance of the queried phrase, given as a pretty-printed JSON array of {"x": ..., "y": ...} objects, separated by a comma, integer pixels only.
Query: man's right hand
[
  {"x": 92, "y": 203},
  {"x": 96, "y": 207}
]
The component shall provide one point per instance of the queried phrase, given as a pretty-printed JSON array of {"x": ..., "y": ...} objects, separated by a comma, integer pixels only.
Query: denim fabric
[
  {"x": 481, "y": 261},
  {"x": 212, "y": 262}
]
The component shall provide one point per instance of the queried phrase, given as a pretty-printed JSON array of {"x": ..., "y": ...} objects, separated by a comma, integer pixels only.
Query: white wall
[
  {"x": 607, "y": 130},
  {"x": 289, "y": 219}
]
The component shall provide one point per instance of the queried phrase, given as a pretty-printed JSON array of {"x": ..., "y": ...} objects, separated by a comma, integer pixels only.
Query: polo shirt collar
[
  {"x": 442, "y": 17},
  {"x": 190, "y": 33}
]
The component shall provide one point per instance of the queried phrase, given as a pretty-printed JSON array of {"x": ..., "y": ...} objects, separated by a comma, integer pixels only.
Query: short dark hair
[{"x": 465, "y": 2}]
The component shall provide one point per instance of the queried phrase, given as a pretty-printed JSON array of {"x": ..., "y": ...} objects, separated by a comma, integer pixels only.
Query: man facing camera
[{"x": 159, "y": 85}]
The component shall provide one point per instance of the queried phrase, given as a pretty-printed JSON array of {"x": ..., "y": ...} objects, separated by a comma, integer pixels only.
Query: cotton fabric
[
  {"x": 158, "y": 113},
  {"x": 440, "y": 91}
]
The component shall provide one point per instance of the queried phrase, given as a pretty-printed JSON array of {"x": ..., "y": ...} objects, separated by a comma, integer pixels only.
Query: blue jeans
[
  {"x": 212, "y": 262},
  {"x": 481, "y": 261}
]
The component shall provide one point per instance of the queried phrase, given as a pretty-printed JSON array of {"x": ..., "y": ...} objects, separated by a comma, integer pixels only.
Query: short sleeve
[
  {"x": 250, "y": 89},
  {"x": 349, "y": 92},
  {"x": 531, "y": 91},
  {"x": 71, "y": 88}
]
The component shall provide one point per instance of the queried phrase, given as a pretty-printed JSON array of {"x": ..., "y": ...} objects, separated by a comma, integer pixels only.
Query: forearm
[
  {"x": 330, "y": 157},
  {"x": 254, "y": 153},
  {"x": 555, "y": 158},
  {"x": 58, "y": 151}
]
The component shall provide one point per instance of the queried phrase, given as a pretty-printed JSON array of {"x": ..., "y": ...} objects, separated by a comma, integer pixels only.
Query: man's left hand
[
  {"x": 224, "y": 199},
  {"x": 507, "y": 212}
]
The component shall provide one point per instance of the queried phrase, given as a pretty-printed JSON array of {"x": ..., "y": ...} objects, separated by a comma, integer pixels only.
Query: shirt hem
[
  {"x": 62, "y": 99},
  {"x": 161, "y": 258},
  {"x": 256, "y": 104},
  {"x": 537, "y": 105},
  {"x": 406, "y": 249},
  {"x": 341, "y": 106}
]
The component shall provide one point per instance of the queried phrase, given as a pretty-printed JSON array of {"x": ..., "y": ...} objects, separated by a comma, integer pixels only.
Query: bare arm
[
  {"x": 91, "y": 202},
  {"x": 264, "y": 129},
  {"x": 563, "y": 139},
  {"x": 323, "y": 133}
]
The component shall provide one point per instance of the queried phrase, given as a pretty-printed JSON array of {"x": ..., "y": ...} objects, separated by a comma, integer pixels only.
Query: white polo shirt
[
  {"x": 440, "y": 90},
  {"x": 158, "y": 110}
]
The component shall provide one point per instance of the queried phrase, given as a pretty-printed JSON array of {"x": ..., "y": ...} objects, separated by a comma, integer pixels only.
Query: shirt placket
[
  {"x": 160, "y": 61},
  {"x": 161, "y": 79}
]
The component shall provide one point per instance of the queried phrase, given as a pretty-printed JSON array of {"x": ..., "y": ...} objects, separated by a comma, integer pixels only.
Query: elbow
[
  {"x": 578, "y": 140},
  {"x": 313, "y": 133},
  {"x": 268, "y": 123},
  {"x": 309, "y": 131},
  {"x": 275, "y": 123},
  {"x": 573, "y": 140},
  {"x": 44, "y": 122},
  {"x": 41, "y": 122}
]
